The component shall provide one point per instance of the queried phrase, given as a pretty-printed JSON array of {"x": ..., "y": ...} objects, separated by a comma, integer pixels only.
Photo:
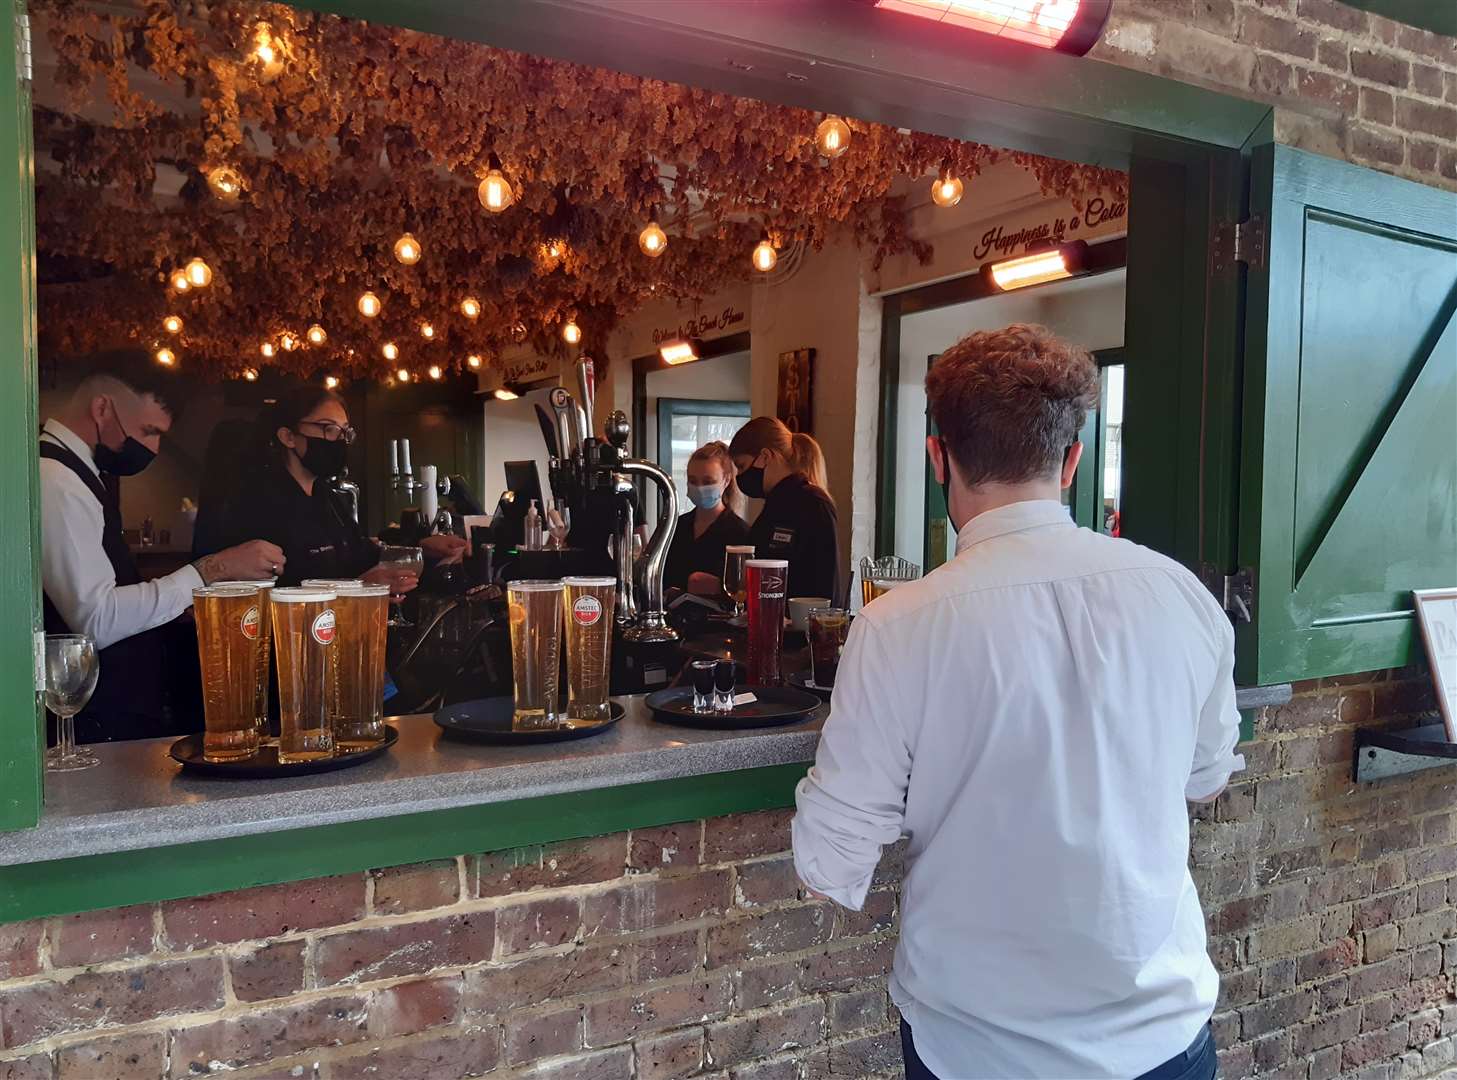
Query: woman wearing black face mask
[{"x": 798, "y": 521}]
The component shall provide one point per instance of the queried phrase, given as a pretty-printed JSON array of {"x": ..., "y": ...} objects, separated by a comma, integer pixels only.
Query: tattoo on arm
[{"x": 208, "y": 568}]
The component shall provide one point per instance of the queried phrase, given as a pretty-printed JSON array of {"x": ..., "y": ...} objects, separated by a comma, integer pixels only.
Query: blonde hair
[
  {"x": 807, "y": 457},
  {"x": 760, "y": 434},
  {"x": 718, "y": 453}
]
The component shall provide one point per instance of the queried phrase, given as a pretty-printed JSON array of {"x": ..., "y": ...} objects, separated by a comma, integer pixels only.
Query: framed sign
[
  {"x": 794, "y": 390},
  {"x": 1437, "y": 614}
]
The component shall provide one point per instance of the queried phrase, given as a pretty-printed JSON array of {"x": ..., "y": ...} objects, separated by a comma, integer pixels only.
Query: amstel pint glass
[
  {"x": 304, "y": 628},
  {"x": 265, "y": 647},
  {"x": 228, "y": 623},
  {"x": 535, "y": 609},
  {"x": 765, "y": 585},
  {"x": 587, "y": 606},
  {"x": 356, "y": 698}
]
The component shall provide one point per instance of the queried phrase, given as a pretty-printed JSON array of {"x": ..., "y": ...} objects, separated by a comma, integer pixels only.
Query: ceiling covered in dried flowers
[{"x": 346, "y": 135}]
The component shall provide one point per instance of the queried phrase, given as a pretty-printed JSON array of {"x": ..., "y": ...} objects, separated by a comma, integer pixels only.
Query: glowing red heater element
[{"x": 1066, "y": 25}]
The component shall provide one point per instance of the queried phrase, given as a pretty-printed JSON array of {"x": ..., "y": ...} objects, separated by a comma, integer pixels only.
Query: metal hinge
[
  {"x": 24, "y": 69},
  {"x": 1238, "y": 241},
  {"x": 39, "y": 653},
  {"x": 1235, "y": 592}
]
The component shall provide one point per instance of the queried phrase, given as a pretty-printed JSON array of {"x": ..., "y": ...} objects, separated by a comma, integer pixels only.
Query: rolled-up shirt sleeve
[
  {"x": 853, "y": 801},
  {"x": 1214, "y": 757}
]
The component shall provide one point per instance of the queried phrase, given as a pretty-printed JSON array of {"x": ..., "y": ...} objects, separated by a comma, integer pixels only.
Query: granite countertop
[{"x": 139, "y": 798}]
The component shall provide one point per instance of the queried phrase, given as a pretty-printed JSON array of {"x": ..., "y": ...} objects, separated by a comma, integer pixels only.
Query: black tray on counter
[
  {"x": 264, "y": 765},
  {"x": 800, "y": 680},
  {"x": 777, "y": 706},
  {"x": 491, "y": 720}
]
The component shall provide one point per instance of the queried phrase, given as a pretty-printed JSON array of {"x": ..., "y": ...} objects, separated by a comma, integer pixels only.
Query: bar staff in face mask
[
  {"x": 112, "y": 427},
  {"x": 292, "y": 502},
  {"x": 695, "y": 558}
]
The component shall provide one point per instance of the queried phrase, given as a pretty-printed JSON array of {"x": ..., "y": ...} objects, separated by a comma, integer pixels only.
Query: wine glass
[
  {"x": 405, "y": 562},
  {"x": 559, "y": 523},
  {"x": 734, "y": 557},
  {"x": 71, "y": 670}
]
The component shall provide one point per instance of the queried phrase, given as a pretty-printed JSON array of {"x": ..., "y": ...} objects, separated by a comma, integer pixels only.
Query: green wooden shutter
[{"x": 1348, "y": 495}]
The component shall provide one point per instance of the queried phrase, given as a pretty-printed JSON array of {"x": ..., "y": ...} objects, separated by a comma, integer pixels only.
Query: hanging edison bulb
[
  {"x": 316, "y": 335},
  {"x": 407, "y": 249},
  {"x": 473, "y": 361},
  {"x": 289, "y": 342},
  {"x": 434, "y": 371},
  {"x": 391, "y": 351},
  {"x": 250, "y": 374},
  {"x": 765, "y": 257},
  {"x": 267, "y": 349},
  {"x": 198, "y": 273},
  {"x": 369, "y": 305},
  {"x": 330, "y": 382},
  {"x": 470, "y": 307},
  {"x": 571, "y": 332},
  {"x": 166, "y": 357},
  {"x": 180, "y": 282},
  {"x": 832, "y": 137},
  {"x": 267, "y": 53},
  {"x": 225, "y": 182},
  {"x": 495, "y": 190},
  {"x": 947, "y": 189},
  {"x": 402, "y": 375},
  {"x": 427, "y": 331},
  {"x": 652, "y": 240},
  {"x": 172, "y": 324}
]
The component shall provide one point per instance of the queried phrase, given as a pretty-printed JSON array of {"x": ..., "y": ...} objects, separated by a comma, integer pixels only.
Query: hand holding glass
[
  {"x": 71, "y": 670},
  {"x": 407, "y": 563}
]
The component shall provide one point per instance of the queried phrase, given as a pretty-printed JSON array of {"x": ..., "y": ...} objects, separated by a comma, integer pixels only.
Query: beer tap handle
[
  {"x": 568, "y": 443},
  {"x": 587, "y": 392},
  {"x": 653, "y": 622}
]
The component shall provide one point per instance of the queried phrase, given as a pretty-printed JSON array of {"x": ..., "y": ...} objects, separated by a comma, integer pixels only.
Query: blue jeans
[{"x": 1199, "y": 1062}]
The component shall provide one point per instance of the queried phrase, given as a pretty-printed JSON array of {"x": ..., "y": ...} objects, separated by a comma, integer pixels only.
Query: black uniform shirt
[
  {"x": 798, "y": 523},
  {"x": 689, "y": 554}
]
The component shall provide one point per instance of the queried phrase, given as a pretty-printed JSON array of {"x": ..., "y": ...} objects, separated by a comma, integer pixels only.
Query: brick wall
[
  {"x": 670, "y": 952},
  {"x": 1348, "y": 84}
]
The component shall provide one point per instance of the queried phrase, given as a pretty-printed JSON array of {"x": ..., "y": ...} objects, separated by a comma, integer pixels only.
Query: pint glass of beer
[
  {"x": 227, "y": 648},
  {"x": 734, "y": 557},
  {"x": 536, "y": 638},
  {"x": 764, "y": 585},
  {"x": 356, "y": 693},
  {"x": 587, "y": 604},
  {"x": 304, "y": 628},
  {"x": 265, "y": 646}
]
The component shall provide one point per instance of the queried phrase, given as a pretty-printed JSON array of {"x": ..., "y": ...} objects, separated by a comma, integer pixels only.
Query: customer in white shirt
[
  {"x": 1031, "y": 716},
  {"x": 112, "y": 426}
]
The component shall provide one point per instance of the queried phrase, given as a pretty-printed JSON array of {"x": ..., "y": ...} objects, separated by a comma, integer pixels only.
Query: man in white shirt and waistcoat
[
  {"x": 1032, "y": 716},
  {"x": 112, "y": 427}
]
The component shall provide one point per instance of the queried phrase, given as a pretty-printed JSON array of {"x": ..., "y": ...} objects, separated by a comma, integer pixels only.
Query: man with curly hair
[{"x": 1031, "y": 717}]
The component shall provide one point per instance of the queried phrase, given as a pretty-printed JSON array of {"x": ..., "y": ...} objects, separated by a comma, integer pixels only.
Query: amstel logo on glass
[
  {"x": 323, "y": 628},
  {"x": 250, "y": 623},
  {"x": 587, "y": 610}
]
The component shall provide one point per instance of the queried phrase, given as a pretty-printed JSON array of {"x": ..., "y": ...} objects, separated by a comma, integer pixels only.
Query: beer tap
[{"x": 402, "y": 475}]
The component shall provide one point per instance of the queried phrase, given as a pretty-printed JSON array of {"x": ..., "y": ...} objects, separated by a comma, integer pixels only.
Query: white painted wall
[
  {"x": 1086, "y": 310},
  {"x": 513, "y": 434}
]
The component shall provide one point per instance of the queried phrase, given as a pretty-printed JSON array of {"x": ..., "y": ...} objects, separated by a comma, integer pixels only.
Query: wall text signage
[
  {"x": 697, "y": 328},
  {"x": 999, "y": 243}
]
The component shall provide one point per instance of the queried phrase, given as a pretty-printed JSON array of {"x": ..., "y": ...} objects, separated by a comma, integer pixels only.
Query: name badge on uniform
[{"x": 782, "y": 537}]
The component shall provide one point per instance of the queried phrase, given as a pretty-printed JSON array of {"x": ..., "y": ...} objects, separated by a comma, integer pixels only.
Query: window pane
[{"x": 1112, "y": 410}]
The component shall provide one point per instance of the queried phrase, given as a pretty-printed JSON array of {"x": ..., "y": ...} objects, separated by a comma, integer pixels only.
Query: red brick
[
  {"x": 382, "y": 952},
  {"x": 876, "y": 916},
  {"x": 614, "y": 1064},
  {"x": 1277, "y": 34},
  {"x": 855, "y": 1011},
  {"x": 1277, "y": 1013},
  {"x": 666, "y": 847},
  {"x": 665, "y": 956},
  {"x": 846, "y": 969},
  {"x": 669, "y": 1057},
  {"x": 1424, "y": 42},
  {"x": 1272, "y": 1051},
  {"x": 1377, "y": 106},
  {"x": 1380, "y": 978},
  {"x": 1328, "y": 1029},
  {"x": 1422, "y": 155},
  {"x": 546, "y": 978},
  {"x": 1379, "y": 942},
  {"x": 266, "y": 1034},
  {"x": 865, "y": 1056},
  {"x": 1329, "y": 89},
  {"x": 530, "y": 1036},
  {"x": 1377, "y": 1046},
  {"x": 1356, "y": 707},
  {"x": 743, "y": 1038},
  {"x": 656, "y": 1008},
  {"x": 1377, "y": 1013},
  {"x": 270, "y": 971},
  {"x": 766, "y": 882},
  {"x": 1335, "y": 957},
  {"x": 399, "y": 890},
  {"x": 538, "y": 924},
  {"x": 94, "y": 936},
  {"x": 34, "y": 1067},
  {"x": 413, "y": 1007},
  {"x": 1332, "y": 54},
  {"x": 20, "y": 949},
  {"x": 1427, "y": 80},
  {"x": 1425, "y": 1027},
  {"x": 1325, "y": 1064},
  {"x": 467, "y": 1053},
  {"x": 1239, "y": 987},
  {"x": 1431, "y": 862},
  {"x": 265, "y": 912},
  {"x": 1421, "y": 994},
  {"x": 100, "y": 999},
  {"x": 774, "y": 933},
  {"x": 746, "y": 836},
  {"x": 1426, "y": 961},
  {"x": 569, "y": 862},
  {"x": 1236, "y": 1062},
  {"x": 645, "y": 905},
  {"x": 766, "y": 984},
  {"x": 1333, "y": 13},
  {"x": 1439, "y": 121},
  {"x": 1277, "y": 978},
  {"x": 1382, "y": 67},
  {"x": 134, "y": 1055},
  {"x": 1433, "y": 926}
]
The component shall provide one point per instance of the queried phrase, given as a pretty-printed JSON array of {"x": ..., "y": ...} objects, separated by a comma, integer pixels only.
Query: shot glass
[
  {"x": 702, "y": 672},
  {"x": 723, "y": 686}
]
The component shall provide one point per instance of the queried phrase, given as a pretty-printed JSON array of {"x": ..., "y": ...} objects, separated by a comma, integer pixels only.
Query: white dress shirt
[
  {"x": 74, "y": 570},
  {"x": 1032, "y": 716}
]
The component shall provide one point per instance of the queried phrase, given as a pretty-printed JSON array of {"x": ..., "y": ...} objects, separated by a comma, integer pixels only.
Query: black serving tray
[
  {"x": 490, "y": 720},
  {"x": 777, "y": 705},
  {"x": 264, "y": 765},
  {"x": 800, "y": 681}
]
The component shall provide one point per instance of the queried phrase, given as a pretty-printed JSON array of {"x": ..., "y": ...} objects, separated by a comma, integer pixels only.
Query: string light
[
  {"x": 495, "y": 191},
  {"x": 470, "y": 307},
  {"x": 250, "y": 375},
  {"x": 369, "y": 305},
  {"x": 571, "y": 332},
  {"x": 407, "y": 249},
  {"x": 434, "y": 371},
  {"x": 180, "y": 282},
  {"x": 316, "y": 335},
  {"x": 268, "y": 52},
  {"x": 330, "y": 382},
  {"x": 947, "y": 189},
  {"x": 832, "y": 137},
  {"x": 652, "y": 240},
  {"x": 473, "y": 361},
  {"x": 198, "y": 273},
  {"x": 172, "y": 324},
  {"x": 391, "y": 351},
  {"x": 402, "y": 375},
  {"x": 267, "y": 349},
  {"x": 225, "y": 182},
  {"x": 427, "y": 331},
  {"x": 289, "y": 342},
  {"x": 518, "y": 332},
  {"x": 765, "y": 257},
  {"x": 166, "y": 357}
]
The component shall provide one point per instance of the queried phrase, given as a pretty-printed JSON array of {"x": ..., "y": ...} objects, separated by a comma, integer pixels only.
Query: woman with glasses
[{"x": 293, "y": 502}]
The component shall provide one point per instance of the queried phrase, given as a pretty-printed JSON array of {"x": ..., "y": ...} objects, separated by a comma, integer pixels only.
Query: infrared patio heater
[{"x": 1069, "y": 26}]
